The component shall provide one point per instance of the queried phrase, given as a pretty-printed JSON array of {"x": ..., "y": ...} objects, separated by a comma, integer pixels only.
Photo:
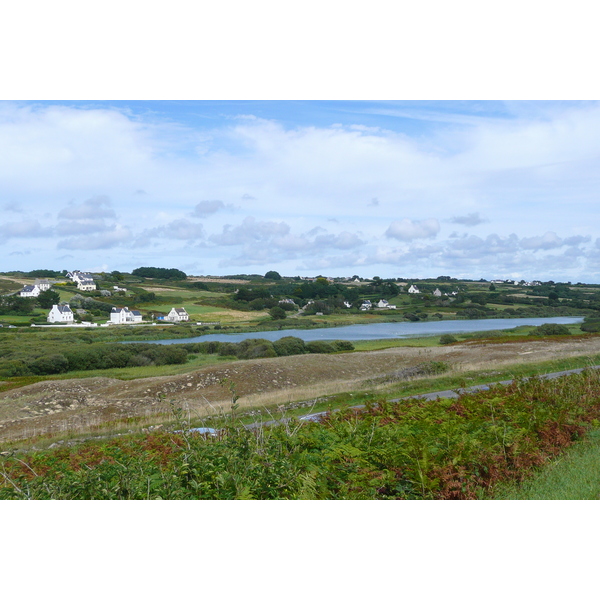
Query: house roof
[
  {"x": 64, "y": 308},
  {"x": 28, "y": 288}
]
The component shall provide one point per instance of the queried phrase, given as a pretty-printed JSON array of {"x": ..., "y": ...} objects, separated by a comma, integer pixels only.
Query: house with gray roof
[
  {"x": 177, "y": 315},
  {"x": 30, "y": 291},
  {"x": 60, "y": 313},
  {"x": 120, "y": 316}
]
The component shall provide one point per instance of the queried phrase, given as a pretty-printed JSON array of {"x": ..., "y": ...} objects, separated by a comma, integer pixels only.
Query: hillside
[{"x": 57, "y": 406}]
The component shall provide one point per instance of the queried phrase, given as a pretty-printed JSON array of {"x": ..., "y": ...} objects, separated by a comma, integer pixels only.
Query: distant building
[
  {"x": 84, "y": 281},
  {"x": 30, "y": 291},
  {"x": 60, "y": 313},
  {"x": 366, "y": 305},
  {"x": 177, "y": 315},
  {"x": 383, "y": 303},
  {"x": 43, "y": 284},
  {"x": 437, "y": 293},
  {"x": 413, "y": 289},
  {"x": 124, "y": 315},
  {"x": 86, "y": 285}
]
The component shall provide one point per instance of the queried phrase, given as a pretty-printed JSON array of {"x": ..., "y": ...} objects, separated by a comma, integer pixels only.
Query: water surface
[{"x": 380, "y": 331}]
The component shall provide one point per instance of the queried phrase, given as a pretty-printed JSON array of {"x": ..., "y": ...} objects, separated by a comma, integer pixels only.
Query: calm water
[{"x": 379, "y": 331}]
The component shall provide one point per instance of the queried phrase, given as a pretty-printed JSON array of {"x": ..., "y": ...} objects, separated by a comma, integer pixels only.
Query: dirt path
[{"x": 81, "y": 404}]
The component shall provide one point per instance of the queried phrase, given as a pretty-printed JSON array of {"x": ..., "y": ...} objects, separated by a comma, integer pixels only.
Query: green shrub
[
  {"x": 49, "y": 364},
  {"x": 320, "y": 347},
  {"x": 14, "y": 368},
  {"x": 343, "y": 345},
  {"x": 289, "y": 345},
  {"x": 447, "y": 339},
  {"x": 227, "y": 349},
  {"x": 255, "y": 348},
  {"x": 277, "y": 313},
  {"x": 591, "y": 325},
  {"x": 550, "y": 329}
]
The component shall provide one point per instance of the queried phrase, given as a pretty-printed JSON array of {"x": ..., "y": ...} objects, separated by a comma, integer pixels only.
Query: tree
[
  {"x": 159, "y": 273},
  {"x": 48, "y": 298},
  {"x": 277, "y": 313},
  {"x": 272, "y": 275},
  {"x": 492, "y": 287}
]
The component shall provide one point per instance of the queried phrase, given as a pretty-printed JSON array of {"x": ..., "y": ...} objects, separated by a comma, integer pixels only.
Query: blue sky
[{"x": 396, "y": 189}]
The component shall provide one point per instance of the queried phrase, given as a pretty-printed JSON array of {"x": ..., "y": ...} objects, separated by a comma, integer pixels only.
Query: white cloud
[
  {"x": 96, "y": 207},
  {"x": 209, "y": 207},
  {"x": 180, "y": 229},
  {"x": 250, "y": 231},
  {"x": 110, "y": 239},
  {"x": 29, "y": 228},
  {"x": 407, "y": 230},
  {"x": 470, "y": 220},
  {"x": 13, "y": 207},
  {"x": 548, "y": 241},
  {"x": 78, "y": 227}
]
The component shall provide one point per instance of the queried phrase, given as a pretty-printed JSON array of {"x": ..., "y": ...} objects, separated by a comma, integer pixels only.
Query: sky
[{"x": 408, "y": 189}]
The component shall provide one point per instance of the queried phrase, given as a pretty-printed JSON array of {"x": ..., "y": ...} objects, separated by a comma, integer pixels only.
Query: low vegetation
[
  {"x": 462, "y": 448},
  {"x": 63, "y": 358}
]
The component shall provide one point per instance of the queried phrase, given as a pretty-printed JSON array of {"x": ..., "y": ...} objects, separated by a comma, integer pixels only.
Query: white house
[
  {"x": 413, "y": 289},
  {"x": 83, "y": 280},
  {"x": 366, "y": 305},
  {"x": 43, "y": 284},
  {"x": 60, "y": 313},
  {"x": 383, "y": 303},
  {"x": 176, "y": 315},
  {"x": 87, "y": 285},
  {"x": 124, "y": 315},
  {"x": 30, "y": 291},
  {"x": 437, "y": 293}
]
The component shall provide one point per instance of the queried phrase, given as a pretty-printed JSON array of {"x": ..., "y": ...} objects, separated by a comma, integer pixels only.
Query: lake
[{"x": 379, "y": 331}]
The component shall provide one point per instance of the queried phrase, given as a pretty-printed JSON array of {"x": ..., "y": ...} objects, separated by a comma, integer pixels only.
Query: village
[{"x": 62, "y": 314}]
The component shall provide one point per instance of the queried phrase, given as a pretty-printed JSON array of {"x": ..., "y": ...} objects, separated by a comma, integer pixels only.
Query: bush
[
  {"x": 289, "y": 345},
  {"x": 255, "y": 348},
  {"x": 319, "y": 347},
  {"x": 343, "y": 345},
  {"x": 49, "y": 364},
  {"x": 227, "y": 349},
  {"x": 447, "y": 339},
  {"x": 277, "y": 313},
  {"x": 550, "y": 329},
  {"x": 591, "y": 325},
  {"x": 14, "y": 368}
]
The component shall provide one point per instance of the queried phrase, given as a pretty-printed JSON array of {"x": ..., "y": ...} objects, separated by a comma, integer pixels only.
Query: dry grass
[{"x": 81, "y": 406}]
